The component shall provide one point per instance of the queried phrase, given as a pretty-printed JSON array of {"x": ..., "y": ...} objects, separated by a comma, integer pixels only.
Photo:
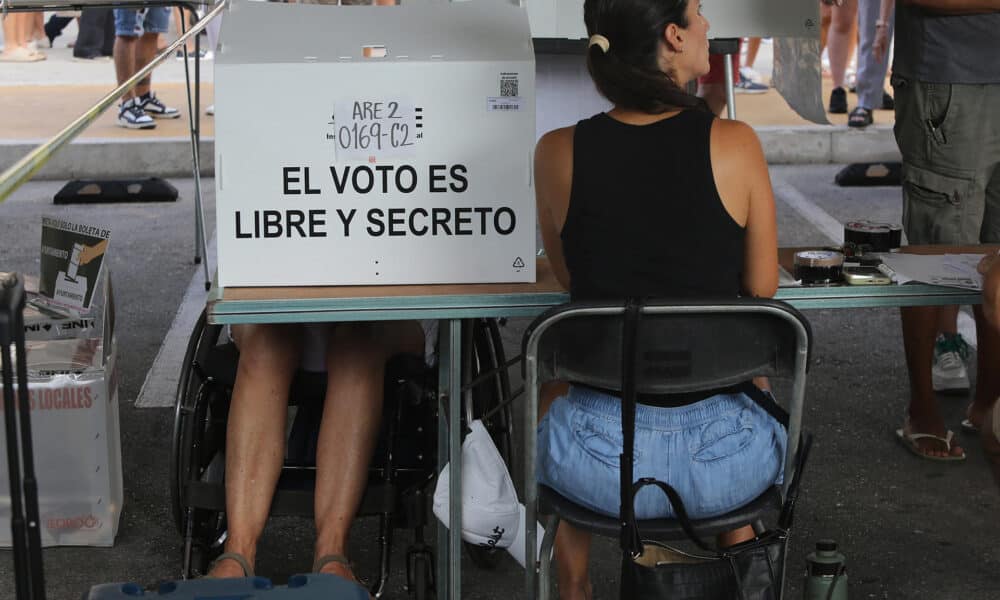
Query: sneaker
[
  {"x": 751, "y": 74},
  {"x": 745, "y": 86},
  {"x": 210, "y": 110},
  {"x": 131, "y": 116},
  {"x": 948, "y": 373},
  {"x": 838, "y": 101},
  {"x": 156, "y": 109}
]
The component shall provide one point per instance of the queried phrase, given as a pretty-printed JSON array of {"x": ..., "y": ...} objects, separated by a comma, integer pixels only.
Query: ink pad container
[{"x": 814, "y": 267}]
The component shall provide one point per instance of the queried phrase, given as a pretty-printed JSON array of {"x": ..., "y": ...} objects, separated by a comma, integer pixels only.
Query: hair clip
[{"x": 601, "y": 41}]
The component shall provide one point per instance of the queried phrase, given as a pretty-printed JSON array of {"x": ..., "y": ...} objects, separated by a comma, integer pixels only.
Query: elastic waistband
[{"x": 656, "y": 417}]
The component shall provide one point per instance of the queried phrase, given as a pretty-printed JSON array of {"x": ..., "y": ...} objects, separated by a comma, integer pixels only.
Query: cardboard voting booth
[
  {"x": 72, "y": 388},
  {"x": 375, "y": 144}
]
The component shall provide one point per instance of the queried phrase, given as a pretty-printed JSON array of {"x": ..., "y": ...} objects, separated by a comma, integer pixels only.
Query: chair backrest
[{"x": 681, "y": 346}]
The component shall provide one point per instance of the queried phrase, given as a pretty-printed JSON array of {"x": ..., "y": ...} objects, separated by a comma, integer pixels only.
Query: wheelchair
[{"x": 403, "y": 466}]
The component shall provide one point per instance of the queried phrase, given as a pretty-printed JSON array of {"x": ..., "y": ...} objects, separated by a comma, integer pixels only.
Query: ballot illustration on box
[{"x": 375, "y": 144}]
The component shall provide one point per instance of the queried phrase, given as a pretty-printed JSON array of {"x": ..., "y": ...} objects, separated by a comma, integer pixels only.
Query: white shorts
[{"x": 315, "y": 336}]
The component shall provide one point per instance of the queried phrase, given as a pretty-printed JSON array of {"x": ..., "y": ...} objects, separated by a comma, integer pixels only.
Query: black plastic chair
[{"x": 680, "y": 347}]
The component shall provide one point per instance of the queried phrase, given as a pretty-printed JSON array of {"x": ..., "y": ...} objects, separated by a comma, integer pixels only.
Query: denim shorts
[
  {"x": 719, "y": 453},
  {"x": 130, "y": 22}
]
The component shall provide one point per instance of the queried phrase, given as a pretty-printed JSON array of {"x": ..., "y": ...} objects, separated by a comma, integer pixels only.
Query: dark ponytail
[{"x": 628, "y": 74}]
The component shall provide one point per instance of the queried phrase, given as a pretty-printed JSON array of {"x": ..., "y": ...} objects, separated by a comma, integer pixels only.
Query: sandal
[
  {"x": 860, "y": 117},
  {"x": 909, "y": 441},
  {"x": 331, "y": 558},
  {"x": 21, "y": 54},
  {"x": 240, "y": 560},
  {"x": 336, "y": 558}
]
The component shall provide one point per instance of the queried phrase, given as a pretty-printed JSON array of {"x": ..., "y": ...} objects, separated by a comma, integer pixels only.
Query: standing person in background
[
  {"x": 137, "y": 35},
  {"x": 16, "y": 39},
  {"x": 875, "y": 21},
  {"x": 840, "y": 45},
  {"x": 747, "y": 72},
  {"x": 96, "y": 40},
  {"x": 947, "y": 86}
]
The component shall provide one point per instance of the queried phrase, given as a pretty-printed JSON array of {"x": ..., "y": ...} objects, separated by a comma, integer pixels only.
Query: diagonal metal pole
[{"x": 24, "y": 169}]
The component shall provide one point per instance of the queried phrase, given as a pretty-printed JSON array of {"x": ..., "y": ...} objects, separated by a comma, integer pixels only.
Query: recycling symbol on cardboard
[{"x": 518, "y": 263}]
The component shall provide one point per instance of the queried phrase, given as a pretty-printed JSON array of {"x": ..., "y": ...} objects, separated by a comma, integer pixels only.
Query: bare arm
[
  {"x": 760, "y": 272},
  {"x": 957, "y": 7},
  {"x": 553, "y": 181},
  {"x": 744, "y": 185},
  {"x": 880, "y": 47}
]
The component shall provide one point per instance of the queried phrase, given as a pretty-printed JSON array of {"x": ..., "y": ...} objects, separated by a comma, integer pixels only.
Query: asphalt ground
[{"x": 910, "y": 528}]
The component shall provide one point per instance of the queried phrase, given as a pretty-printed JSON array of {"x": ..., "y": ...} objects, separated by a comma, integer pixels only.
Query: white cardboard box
[
  {"x": 563, "y": 19},
  {"x": 410, "y": 165},
  {"x": 73, "y": 392}
]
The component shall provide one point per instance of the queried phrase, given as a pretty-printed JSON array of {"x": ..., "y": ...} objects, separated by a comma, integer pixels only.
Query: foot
[
  {"x": 230, "y": 564},
  {"x": 750, "y": 74},
  {"x": 948, "y": 374},
  {"x": 746, "y": 86},
  {"x": 860, "y": 117},
  {"x": 131, "y": 116},
  {"x": 20, "y": 54},
  {"x": 975, "y": 419},
  {"x": 335, "y": 564},
  {"x": 838, "y": 101},
  {"x": 157, "y": 109},
  {"x": 930, "y": 439}
]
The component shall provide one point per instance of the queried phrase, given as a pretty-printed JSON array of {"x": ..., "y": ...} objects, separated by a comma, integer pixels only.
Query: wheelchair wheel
[
  {"x": 197, "y": 444},
  {"x": 489, "y": 401}
]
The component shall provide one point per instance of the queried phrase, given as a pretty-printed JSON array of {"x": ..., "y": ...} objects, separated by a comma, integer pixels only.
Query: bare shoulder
[
  {"x": 734, "y": 136},
  {"x": 555, "y": 144}
]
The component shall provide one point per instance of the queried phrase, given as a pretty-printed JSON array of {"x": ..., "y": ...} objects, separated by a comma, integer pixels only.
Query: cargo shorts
[{"x": 949, "y": 137}]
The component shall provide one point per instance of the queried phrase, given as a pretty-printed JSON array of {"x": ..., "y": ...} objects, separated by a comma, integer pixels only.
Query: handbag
[{"x": 752, "y": 570}]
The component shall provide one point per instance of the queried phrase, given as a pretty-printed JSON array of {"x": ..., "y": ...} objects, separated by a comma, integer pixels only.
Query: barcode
[
  {"x": 508, "y": 87},
  {"x": 506, "y": 107}
]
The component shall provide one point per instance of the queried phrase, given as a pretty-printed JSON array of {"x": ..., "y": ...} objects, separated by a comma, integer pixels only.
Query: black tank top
[{"x": 645, "y": 218}]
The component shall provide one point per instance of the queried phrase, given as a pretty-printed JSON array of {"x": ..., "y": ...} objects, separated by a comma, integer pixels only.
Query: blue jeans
[
  {"x": 719, "y": 453},
  {"x": 130, "y": 22}
]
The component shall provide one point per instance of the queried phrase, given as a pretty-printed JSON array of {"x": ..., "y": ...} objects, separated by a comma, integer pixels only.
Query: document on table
[{"x": 952, "y": 270}]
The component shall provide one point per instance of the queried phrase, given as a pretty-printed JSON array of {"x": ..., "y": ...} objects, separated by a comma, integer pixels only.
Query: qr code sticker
[{"x": 508, "y": 85}]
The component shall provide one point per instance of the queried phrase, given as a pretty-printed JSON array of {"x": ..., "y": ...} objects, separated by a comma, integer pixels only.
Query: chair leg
[{"x": 545, "y": 556}]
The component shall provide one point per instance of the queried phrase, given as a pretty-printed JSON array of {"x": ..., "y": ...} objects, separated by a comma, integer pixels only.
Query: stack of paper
[{"x": 953, "y": 270}]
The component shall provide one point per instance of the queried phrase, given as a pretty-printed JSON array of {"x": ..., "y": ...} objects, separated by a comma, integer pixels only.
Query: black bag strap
[
  {"x": 679, "y": 510},
  {"x": 631, "y": 543}
]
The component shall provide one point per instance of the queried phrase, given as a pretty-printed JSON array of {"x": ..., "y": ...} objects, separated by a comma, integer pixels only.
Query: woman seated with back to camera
[{"x": 656, "y": 198}]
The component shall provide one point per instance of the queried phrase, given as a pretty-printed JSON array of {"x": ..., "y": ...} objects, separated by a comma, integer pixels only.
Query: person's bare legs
[
  {"x": 125, "y": 66},
  {"x": 255, "y": 435},
  {"x": 825, "y": 18},
  {"x": 753, "y": 46},
  {"x": 842, "y": 39},
  {"x": 919, "y": 331},
  {"x": 987, "y": 373},
  {"x": 145, "y": 51},
  {"x": 352, "y": 413},
  {"x": 948, "y": 319},
  {"x": 180, "y": 27}
]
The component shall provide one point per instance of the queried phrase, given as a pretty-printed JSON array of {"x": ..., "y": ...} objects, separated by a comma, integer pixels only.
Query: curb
[
  {"x": 106, "y": 158},
  {"x": 96, "y": 158}
]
